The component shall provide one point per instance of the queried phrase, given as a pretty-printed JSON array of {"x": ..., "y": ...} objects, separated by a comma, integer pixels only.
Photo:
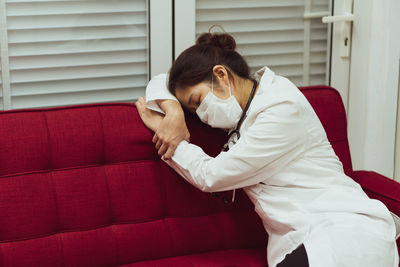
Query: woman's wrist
[
  {"x": 175, "y": 114},
  {"x": 171, "y": 107}
]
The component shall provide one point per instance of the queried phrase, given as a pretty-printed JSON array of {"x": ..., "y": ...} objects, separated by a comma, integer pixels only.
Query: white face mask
[{"x": 219, "y": 113}]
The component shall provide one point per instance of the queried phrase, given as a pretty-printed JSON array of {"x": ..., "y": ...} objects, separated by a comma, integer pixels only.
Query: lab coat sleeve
[
  {"x": 276, "y": 137},
  {"x": 157, "y": 90}
]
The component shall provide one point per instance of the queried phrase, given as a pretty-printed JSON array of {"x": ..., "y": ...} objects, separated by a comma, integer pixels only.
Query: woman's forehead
[{"x": 184, "y": 93}]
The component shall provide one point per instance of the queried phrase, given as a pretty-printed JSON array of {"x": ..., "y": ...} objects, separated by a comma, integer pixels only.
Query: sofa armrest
[{"x": 380, "y": 187}]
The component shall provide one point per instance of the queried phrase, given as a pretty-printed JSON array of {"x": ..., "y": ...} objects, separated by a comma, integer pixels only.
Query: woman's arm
[
  {"x": 171, "y": 130},
  {"x": 276, "y": 138}
]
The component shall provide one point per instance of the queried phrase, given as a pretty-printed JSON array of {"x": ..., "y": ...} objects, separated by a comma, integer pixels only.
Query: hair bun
[{"x": 222, "y": 40}]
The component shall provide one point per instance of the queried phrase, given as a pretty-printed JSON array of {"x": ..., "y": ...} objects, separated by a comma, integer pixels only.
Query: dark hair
[{"x": 195, "y": 64}]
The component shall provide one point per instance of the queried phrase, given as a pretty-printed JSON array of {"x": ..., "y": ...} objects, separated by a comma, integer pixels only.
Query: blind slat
[
  {"x": 72, "y": 7},
  {"x": 90, "y": 84},
  {"x": 249, "y": 14},
  {"x": 79, "y": 46},
  {"x": 66, "y": 73},
  {"x": 255, "y": 25},
  {"x": 76, "y": 21},
  {"x": 279, "y": 48},
  {"x": 277, "y": 36},
  {"x": 229, "y": 4},
  {"x": 208, "y": 4},
  {"x": 73, "y": 98},
  {"x": 85, "y": 59},
  {"x": 84, "y": 33}
]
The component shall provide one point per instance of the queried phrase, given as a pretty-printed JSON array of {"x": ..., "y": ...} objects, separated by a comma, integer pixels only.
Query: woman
[{"x": 278, "y": 153}]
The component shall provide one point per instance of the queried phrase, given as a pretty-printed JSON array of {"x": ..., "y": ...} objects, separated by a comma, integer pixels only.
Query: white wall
[
  {"x": 373, "y": 92},
  {"x": 397, "y": 156},
  {"x": 160, "y": 36}
]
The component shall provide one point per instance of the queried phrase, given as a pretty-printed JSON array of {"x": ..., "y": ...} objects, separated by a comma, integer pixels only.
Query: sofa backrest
[
  {"x": 329, "y": 107},
  {"x": 83, "y": 186}
]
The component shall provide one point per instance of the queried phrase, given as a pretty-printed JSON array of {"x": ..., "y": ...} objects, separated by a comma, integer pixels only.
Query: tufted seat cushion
[{"x": 230, "y": 257}]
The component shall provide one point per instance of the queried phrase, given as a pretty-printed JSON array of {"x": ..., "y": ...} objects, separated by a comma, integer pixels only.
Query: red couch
[{"x": 83, "y": 186}]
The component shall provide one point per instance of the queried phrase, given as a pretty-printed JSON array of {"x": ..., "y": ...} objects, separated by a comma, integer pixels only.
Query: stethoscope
[
  {"x": 237, "y": 133},
  {"x": 236, "y": 130}
]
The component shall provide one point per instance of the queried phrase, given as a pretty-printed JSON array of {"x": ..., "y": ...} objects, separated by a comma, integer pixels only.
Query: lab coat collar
[
  {"x": 264, "y": 76},
  {"x": 262, "y": 71}
]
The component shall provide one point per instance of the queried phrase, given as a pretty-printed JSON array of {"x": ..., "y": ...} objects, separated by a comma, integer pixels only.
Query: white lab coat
[{"x": 306, "y": 197}]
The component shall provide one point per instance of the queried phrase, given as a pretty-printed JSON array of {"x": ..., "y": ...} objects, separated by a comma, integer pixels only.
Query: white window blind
[
  {"x": 79, "y": 51},
  {"x": 274, "y": 33}
]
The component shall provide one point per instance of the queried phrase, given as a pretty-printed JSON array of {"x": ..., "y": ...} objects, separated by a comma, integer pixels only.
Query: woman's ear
[{"x": 221, "y": 74}]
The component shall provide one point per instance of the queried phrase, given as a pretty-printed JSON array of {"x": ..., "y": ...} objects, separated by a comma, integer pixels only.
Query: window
[{"x": 62, "y": 52}]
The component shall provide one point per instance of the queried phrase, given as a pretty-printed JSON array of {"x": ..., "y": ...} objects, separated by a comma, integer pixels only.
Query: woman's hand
[
  {"x": 172, "y": 130},
  {"x": 150, "y": 118},
  {"x": 169, "y": 130}
]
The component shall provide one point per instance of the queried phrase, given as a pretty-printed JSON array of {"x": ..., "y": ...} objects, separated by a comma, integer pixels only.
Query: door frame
[
  {"x": 161, "y": 36},
  {"x": 374, "y": 79},
  {"x": 340, "y": 66}
]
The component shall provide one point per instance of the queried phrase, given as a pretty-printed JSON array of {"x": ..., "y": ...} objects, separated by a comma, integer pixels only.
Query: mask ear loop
[
  {"x": 229, "y": 85},
  {"x": 212, "y": 83}
]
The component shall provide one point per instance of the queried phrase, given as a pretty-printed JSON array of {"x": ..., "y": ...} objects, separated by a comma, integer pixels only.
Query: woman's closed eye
[
  {"x": 197, "y": 101},
  {"x": 194, "y": 102}
]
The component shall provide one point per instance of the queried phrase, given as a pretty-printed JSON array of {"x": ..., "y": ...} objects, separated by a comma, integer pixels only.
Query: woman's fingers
[
  {"x": 155, "y": 138},
  {"x": 158, "y": 144},
  {"x": 170, "y": 152},
  {"x": 163, "y": 149},
  {"x": 171, "y": 130},
  {"x": 153, "y": 120},
  {"x": 141, "y": 102},
  {"x": 161, "y": 145},
  {"x": 139, "y": 105}
]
